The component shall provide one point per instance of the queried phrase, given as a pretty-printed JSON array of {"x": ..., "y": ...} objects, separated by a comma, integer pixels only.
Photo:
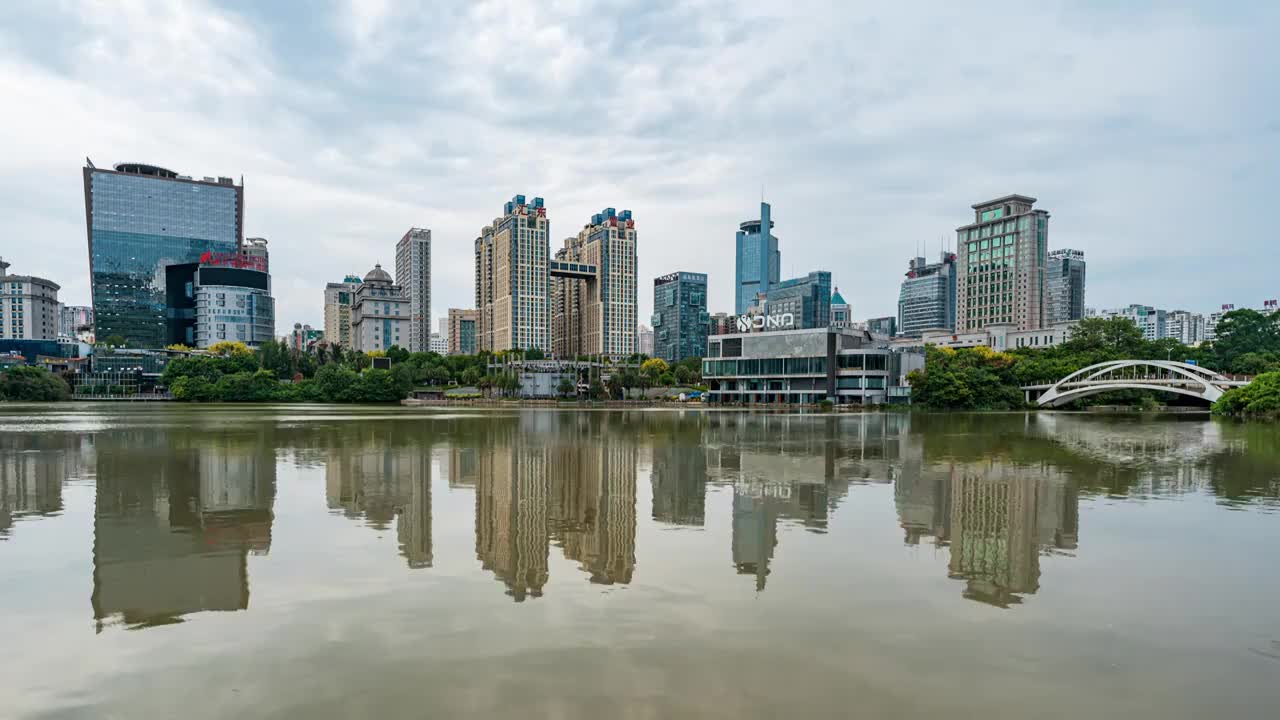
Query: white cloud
[{"x": 871, "y": 128}]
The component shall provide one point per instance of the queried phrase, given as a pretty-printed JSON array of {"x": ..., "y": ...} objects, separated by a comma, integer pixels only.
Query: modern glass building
[
  {"x": 886, "y": 326},
  {"x": 927, "y": 300},
  {"x": 808, "y": 298},
  {"x": 757, "y": 260},
  {"x": 680, "y": 320},
  {"x": 141, "y": 219},
  {"x": 1064, "y": 286}
]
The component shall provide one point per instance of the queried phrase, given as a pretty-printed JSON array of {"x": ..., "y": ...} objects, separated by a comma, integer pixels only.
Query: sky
[{"x": 1149, "y": 130}]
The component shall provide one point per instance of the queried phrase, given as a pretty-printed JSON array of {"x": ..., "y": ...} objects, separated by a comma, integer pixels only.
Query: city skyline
[{"x": 327, "y": 188}]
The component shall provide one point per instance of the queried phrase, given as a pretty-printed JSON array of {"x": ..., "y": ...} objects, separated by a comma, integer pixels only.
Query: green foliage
[
  {"x": 966, "y": 379},
  {"x": 1242, "y": 333},
  {"x": 666, "y": 379},
  {"x": 565, "y": 387},
  {"x": 534, "y": 354},
  {"x": 113, "y": 341},
  {"x": 1259, "y": 399},
  {"x": 597, "y": 390},
  {"x": 32, "y": 384}
]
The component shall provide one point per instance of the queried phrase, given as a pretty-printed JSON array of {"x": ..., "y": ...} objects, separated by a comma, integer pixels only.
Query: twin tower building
[{"x": 581, "y": 300}]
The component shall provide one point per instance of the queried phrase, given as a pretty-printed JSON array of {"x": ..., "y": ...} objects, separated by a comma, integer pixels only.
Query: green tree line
[{"x": 1247, "y": 342}]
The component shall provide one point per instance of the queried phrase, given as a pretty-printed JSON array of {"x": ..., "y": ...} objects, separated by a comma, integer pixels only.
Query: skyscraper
[
  {"x": 1002, "y": 259},
  {"x": 338, "y": 298},
  {"x": 511, "y": 278},
  {"x": 680, "y": 320},
  {"x": 413, "y": 274},
  {"x": 593, "y": 305},
  {"x": 140, "y": 219},
  {"x": 808, "y": 298},
  {"x": 927, "y": 300},
  {"x": 1064, "y": 286},
  {"x": 462, "y": 332},
  {"x": 757, "y": 260}
]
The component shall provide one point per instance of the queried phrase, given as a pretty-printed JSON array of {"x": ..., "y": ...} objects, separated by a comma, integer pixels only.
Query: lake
[{"x": 167, "y": 561}]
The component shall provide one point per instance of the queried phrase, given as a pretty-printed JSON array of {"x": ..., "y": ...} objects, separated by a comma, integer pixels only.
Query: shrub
[{"x": 1259, "y": 399}]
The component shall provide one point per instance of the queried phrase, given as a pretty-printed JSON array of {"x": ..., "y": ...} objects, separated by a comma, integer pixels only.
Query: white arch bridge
[{"x": 1165, "y": 375}]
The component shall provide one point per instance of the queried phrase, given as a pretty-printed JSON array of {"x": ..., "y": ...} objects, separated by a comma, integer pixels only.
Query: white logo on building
[{"x": 747, "y": 323}]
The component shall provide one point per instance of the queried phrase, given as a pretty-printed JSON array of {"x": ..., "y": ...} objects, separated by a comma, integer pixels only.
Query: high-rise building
[
  {"x": 512, "y": 284},
  {"x": 413, "y": 274},
  {"x": 304, "y": 337},
  {"x": 1185, "y": 327},
  {"x": 28, "y": 307},
  {"x": 254, "y": 253},
  {"x": 927, "y": 300},
  {"x": 757, "y": 260},
  {"x": 808, "y": 298},
  {"x": 841, "y": 312},
  {"x": 1151, "y": 321},
  {"x": 593, "y": 300},
  {"x": 722, "y": 324},
  {"x": 1064, "y": 286},
  {"x": 74, "y": 320},
  {"x": 644, "y": 340},
  {"x": 462, "y": 331},
  {"x": 1002, "y": 260},
  {"x": 218, "y": 300},
  {"x": 140, "y": 219},
  {"x": 379, "y": 313},
  {"x": 338, "y": 297},
  {"x": 680, "y": 320}
]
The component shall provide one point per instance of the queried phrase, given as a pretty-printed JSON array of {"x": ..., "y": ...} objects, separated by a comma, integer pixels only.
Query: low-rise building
[
  {"x": 1151, "y": 321},
  {"x": 886, "y": 326},
  {"x": 218, "y": 299},
  {"x": 804, "y": 366},
  {"x": 437, "y": 344},
  {"x": 999, "y": 337}
]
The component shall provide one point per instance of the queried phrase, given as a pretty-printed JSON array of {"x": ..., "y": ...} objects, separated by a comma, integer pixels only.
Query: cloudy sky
[{"x": 1150, "y": 131}]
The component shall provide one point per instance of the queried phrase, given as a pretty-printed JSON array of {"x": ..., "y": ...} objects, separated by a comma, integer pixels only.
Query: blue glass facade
[
  {"x": 139, "y": 224},
  {"x": 757, "y": 260},
  {"x": 808, "y": 298},
  {"x": 680, "y": 320}
]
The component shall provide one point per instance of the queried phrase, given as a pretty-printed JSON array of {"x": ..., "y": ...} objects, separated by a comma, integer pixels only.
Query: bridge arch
[{"x": 1163, "y": 375}]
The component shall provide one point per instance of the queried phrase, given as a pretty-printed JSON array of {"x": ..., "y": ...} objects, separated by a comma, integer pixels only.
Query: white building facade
[
  {"x": 413, "y": 275},
  {"x": 28, "y": 307},
  {"x": 379, "y": 313}
]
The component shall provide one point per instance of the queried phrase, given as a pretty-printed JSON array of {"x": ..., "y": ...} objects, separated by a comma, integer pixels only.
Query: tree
[
  {"x": 534, "y": 354},
  {"x": 666, "y": 379},
  {"x": 1259, "y": 399},
  {"x": 114, "y": 341},
  {"x": 566, "y": 387},
  {"x": 683, "y": 375},
  {"x": 485, "y": 384},
  {"x": 615, "y": 386},
  {"x": 32, "y": 384},
  {"x": 377, "y": 386},
  {"x": 1240, "y": 332},
  {"x": 397, "y": 354},
  {"x": 596, "y": 390},
  {"x": 230, "y": 347},
  {"x": 438, "y": 375},
  {"x": 471, "y": 376},
  {"x": 336, "y": 383}
]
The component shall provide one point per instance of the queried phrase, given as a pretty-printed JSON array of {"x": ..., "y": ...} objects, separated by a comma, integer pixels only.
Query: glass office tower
[
  {"x": 757, "y": 262},
  {"x": 680, "y": 320},
  {"x": 140, "y": 219}
]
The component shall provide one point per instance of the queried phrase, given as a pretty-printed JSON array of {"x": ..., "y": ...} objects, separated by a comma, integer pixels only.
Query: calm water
[{"x": 179, "y": 562}]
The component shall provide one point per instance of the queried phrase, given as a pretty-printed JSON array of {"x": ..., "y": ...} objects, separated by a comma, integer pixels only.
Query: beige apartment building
[
  {"x": 1001, "y": 260},
  {"x": 594, "y": 289},
  {"x": 512, "y": 285}
]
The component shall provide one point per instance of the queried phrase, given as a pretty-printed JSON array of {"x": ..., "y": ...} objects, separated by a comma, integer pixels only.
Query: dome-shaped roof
[
  {"x": 836, "y": 299},
  {"x": 377, "y": 274}
]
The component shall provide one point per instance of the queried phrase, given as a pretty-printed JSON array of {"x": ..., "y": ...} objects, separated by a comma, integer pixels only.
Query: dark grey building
[
  {"x": 927, "y": 300},
  {"x": 887, "y": 326},
  {"x": 808, "y": 298},
  {"x": 846, "y": 366},
  {"x": 1064, "y": 286},
  {"x": 680, "y": 320}
]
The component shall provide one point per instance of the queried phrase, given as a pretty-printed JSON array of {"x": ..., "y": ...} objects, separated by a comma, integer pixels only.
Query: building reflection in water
[
  {"x": 32, "y": 471},
  {"x": 381, "y": 473},
  {"x": 996, "y": 519},
  {"x": 679, "y": 471},
  {"x": 795, "y": 470},
  {"x": 176, "y": 515},
  {"x": 558, "y": 478}
]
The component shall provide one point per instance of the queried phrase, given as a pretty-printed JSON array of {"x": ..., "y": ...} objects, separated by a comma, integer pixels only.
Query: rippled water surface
[{"x": 273, "y": 562}]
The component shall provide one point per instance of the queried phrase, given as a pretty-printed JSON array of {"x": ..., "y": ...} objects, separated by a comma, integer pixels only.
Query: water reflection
[
  {"x": 377, "y": 475},
  {"x": 178, "y": 507},
  {"x": 176, "y": 514}
]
